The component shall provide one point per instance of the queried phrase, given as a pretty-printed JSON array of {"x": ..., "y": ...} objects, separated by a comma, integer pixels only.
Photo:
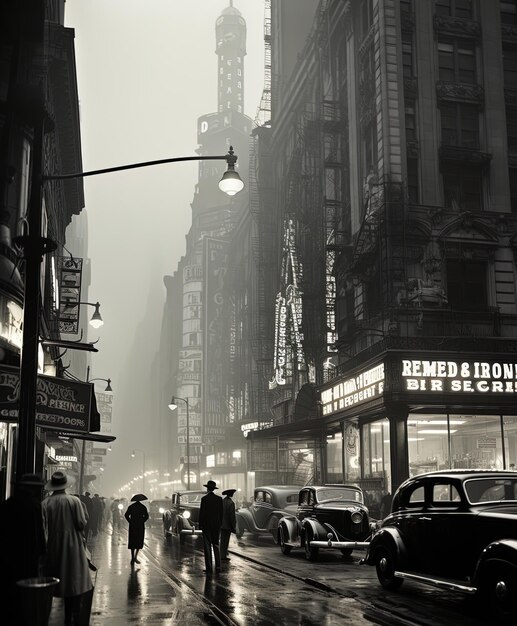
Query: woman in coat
[
  {"x": 65, "y": 519},
  {"x": 137, "y": 516}
]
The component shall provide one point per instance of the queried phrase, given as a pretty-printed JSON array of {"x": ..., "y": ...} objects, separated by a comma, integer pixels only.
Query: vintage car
[
  {"x": 182, "y": 519},
  {"x": 454, "y": 529},
  {"x": 327, "y": 516},
  {"x": 268, "y": 506},
  {"x": 156, "y": 510}
]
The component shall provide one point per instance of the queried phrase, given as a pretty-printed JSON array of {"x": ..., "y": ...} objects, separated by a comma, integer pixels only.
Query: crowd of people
[{"x": 51, "y": 534}]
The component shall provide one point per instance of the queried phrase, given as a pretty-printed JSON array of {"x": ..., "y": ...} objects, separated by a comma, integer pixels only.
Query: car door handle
[{"x": 424, "y": 519}]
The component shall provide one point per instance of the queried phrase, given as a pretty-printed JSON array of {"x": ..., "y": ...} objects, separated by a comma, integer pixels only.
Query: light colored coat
[{"x": 65, "y": 520}]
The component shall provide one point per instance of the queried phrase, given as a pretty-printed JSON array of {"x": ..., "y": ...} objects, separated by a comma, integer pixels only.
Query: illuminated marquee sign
[
  {"x": 280, "y": 354},
  {"x": 459, "y": 376},
  {"x": 364, "y": 386}
]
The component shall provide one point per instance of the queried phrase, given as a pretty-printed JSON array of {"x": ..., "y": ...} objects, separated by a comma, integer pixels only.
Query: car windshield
[
  {"x": 191, "y": 498},
  {"x": 324, "y": 495},
  {"x": 491, "y": 490}
]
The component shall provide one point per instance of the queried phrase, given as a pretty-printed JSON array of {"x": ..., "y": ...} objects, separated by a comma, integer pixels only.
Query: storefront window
[
  {"x": 335, "y": 458},
  {"x": 510, "y": 441},
  {"x": 351, "y": 443},
  {"x": 376, "y": 479},
  {"x": 444, "y": 441}
]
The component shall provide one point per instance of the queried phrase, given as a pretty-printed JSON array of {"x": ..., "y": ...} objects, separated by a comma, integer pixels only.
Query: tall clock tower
[{"x": 230, "y": 31}]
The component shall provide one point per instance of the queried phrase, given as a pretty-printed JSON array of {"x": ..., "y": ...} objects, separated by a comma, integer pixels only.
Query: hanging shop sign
[
  {"x": 61, "y": 404},
  {"x": 70, "y": 277},
  {"x": 441, "y": 376},
  {"x": 353, "y": 391}
]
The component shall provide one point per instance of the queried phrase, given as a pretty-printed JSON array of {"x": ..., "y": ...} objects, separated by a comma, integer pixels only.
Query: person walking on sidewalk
[
  {"x": 136, "y": 516},
  {"x": 229, "y": 524},
  {"x": 210, "y": 520},
  {"x": 65, "y": 522}
]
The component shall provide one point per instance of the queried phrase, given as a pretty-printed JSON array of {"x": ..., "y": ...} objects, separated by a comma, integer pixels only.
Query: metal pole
[
  {"x": 33, "y": 250},
  {"x": 188, "y": 447},
  {"x": 83, "y": 447}
]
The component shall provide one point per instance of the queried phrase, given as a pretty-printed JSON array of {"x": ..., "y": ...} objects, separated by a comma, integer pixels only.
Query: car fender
[
  {"x": 502, "y": 550},
  {"x": 246, "y": 519},
  {"x": 387, "y": 537},
  {"x": 318, "y": 530},
  {"x": 292, "y": 526}
]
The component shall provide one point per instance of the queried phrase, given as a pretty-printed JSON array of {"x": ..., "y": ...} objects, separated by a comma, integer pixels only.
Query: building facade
[{"x": 395, "y": 309}]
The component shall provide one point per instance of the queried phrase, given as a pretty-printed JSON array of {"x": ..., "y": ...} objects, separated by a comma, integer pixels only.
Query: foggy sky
[{"x": 146, "y": 70}]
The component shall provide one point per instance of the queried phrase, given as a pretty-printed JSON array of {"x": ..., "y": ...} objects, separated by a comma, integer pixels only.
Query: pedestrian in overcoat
[
  {"x": 136, "y": 516},
  {"x": 65, "y": 521},
  {"x": 210, "y": 520},
  {"x": 229, "y": 524}
]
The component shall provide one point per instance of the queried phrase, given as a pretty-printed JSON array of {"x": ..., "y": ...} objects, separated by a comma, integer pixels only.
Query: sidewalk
[{"x": 123, "y": 595}]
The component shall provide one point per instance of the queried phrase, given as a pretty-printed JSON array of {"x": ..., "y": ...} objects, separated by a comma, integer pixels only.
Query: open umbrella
[{"x": 138, "y": 497}]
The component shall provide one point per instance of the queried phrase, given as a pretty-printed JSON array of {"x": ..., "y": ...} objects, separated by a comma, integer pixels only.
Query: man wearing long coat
[
  {"x": 229, "y": 524},
  {"x": 210, "y": 520}
]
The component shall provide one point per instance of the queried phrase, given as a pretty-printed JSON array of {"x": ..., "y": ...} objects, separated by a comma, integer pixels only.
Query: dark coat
[
  {"x": 211, "y": 512},
  {"x": 229, "y": 519},
  {"x": 137, "y": 516}
]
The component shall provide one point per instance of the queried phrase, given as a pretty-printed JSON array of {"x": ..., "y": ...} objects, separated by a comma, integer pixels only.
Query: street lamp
[
  {"x": 173, "y": 406},
  {"x": 96, "y": 320},
  {"x": 34, "y": 246},
  {"x": 143, "y": 465}
]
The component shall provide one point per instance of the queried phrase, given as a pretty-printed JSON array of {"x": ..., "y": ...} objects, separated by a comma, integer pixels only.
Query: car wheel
[
  {"x": 282, "y": 532},
  {"x": 311, "y": 553},
  {"x": 500, "y": 590},
  {"x": 346, "y": 551},
  {"x": 385, "y": 566}
]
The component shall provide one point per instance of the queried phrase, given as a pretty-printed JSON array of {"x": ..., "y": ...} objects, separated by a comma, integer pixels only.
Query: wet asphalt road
[{"x": 169, "y": 587}]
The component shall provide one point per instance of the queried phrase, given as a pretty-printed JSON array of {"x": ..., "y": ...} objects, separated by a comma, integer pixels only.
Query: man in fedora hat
[
  {"x": 23, "y": 535},
  {"x": 65, "y": 519},
  {"x": 210, "y": 520},
  {"x": 229, "y": 524}
]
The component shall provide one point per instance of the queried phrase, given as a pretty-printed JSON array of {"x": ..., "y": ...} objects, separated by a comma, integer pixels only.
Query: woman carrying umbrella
[{"x": 136, "y": 516}]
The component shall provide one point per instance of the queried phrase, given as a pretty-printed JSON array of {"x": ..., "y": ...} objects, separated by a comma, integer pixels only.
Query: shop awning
[
  {"x": 88, "y": 436},
  {"x": 295, "y": 430}
]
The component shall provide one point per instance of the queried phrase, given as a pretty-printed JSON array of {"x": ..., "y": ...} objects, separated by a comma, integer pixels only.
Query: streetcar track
[{"x": 384, "y": 615}]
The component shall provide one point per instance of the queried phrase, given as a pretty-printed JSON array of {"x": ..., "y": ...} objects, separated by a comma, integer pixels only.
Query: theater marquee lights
[{"x": 459, "y": 376}]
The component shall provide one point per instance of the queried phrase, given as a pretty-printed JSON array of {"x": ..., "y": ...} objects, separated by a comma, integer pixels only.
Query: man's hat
[
  {"x": 30, "y": 479},
  {"x": 229, "y": 492},
  {"x": 211, "y": 484},
  {"x": 59, "y": 482}
]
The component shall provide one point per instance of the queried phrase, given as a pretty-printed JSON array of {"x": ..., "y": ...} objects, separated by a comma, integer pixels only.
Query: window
[
  {"x": 463, "y": 186},
  {"x": 366, "y": 16},
  {"x": 454, "y": 8},
  {"x": 511, "y": 129},
  {"x": 407, "y": 55},
  {"x": 417, "y": 497},
  {"x": 512, "y": 172},
  {"x": 412, "y": 180},
  {"x": 410, "y": 121},
  {"x": 510, "y": 68},
  {"x": 466, "y": 284},
  {"x": 369, "y": 147},
  {"x": 445, "y": 493},
  {"x": 460, "y": 125},
  {"x": 508, "y": 11},
  {"x": 457, "y": 62}
]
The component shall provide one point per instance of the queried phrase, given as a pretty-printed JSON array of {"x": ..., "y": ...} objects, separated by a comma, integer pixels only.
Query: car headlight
[
  {"x": 186, "y": 514},
  {"x": 161, "y": 511},
  {"x": 356, "y": 517}
]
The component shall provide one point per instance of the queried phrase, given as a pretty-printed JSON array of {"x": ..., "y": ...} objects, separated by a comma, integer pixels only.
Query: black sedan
[
  {"x": 454, "y": 529},
  {"x": 182, "y": 519},
  {"x": 269, "y": 505},
  {"x": 327, "y": 516}
]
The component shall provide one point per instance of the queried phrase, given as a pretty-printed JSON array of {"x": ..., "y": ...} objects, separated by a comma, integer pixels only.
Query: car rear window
[{"x": 491, "y": 490}]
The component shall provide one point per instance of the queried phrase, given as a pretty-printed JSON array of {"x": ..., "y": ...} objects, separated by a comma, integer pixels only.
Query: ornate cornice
[
  {"x": 509, "y": 33},
  {"x": 457, "y": 26},
  {"x": 467, "y": 155},
  {"x": 461, "y": 92}
]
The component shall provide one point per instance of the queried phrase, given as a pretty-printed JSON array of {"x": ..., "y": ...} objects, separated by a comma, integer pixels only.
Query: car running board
[{"x": 442, "y": 583}]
